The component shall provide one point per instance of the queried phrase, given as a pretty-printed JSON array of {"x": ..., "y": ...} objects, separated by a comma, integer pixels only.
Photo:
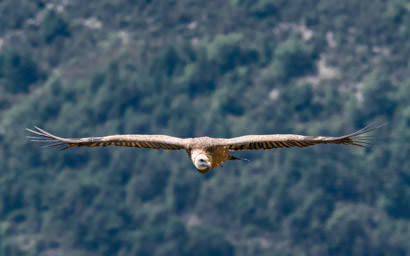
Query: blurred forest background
[{"x": 193, "y": 68}]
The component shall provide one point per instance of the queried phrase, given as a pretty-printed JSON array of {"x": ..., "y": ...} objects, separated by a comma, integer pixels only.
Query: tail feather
[{"x": 237, "y": 158}]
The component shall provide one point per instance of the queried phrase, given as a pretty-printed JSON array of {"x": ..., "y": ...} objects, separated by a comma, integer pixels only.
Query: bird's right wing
[{"x": 126, "y": 140}]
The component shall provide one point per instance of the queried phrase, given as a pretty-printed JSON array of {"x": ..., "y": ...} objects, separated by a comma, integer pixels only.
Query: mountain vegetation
[{"x": 204, "y": 68}]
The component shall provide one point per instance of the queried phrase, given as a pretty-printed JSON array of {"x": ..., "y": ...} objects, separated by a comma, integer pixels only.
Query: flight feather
[
  {"x": 270, "y": 141},
  {"x": 124, "y": 140}
]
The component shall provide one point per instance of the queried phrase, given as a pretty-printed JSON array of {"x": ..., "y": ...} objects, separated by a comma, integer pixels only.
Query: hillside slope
[{"x": 204, "y": 68}]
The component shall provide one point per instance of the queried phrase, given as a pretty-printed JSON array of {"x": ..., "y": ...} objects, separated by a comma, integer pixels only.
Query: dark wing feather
[
  {"x": 127, "y": 140},
  {"x": 358, "y": 138}
]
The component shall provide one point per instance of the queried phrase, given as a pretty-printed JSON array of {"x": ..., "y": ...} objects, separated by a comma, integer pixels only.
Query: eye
[{"x": 201, "y": 160}]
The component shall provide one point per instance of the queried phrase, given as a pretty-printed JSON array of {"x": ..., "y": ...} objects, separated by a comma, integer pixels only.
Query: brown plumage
[{"x": 206, "y": 153}]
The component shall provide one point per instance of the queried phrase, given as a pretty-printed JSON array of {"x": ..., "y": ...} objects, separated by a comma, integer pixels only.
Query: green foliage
[
  {"x": 261, "y": 8},
  {"x": 204, "y": 68},
  {"x": 18, "y": 71},
  {"x": 15, "y": 18},
  {"x": 226, "y": 52},
  {"x": 54, "y": 27},
  {"x": 206, "y": 241},
  {"x": 291, "y": 60},
  {"x": 379, "y": 93}
]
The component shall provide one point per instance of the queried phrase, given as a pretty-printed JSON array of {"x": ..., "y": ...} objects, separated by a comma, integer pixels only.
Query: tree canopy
[{"x": 204, "y": 68}]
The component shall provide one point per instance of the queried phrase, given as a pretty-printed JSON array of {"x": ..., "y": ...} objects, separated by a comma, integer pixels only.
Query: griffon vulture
[{"x": 206, "y": 153}]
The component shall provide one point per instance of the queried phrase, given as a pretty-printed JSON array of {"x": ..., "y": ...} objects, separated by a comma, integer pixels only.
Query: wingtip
[
  {"x": 361, "y": 137},
  {"x": 29, "y": 130},
  {"x": 374, "y": 126}
]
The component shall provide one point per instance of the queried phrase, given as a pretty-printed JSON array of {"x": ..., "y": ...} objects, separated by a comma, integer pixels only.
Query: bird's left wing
[
  {"x": 358, "y": 138},
  {"x": 126, "y": 140}
]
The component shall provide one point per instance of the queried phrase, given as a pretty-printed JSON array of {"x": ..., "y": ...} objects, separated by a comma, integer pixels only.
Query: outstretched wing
[
  {"x": 131, "y": 140},
  {"x": 358, "y": 138}
]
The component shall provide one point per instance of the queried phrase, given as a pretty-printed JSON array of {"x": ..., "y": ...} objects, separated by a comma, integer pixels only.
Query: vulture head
[{"x": 202, "y": 163}]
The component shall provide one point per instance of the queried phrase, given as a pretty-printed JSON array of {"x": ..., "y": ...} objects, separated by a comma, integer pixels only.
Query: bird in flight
[{"x": 206, "y": 153}]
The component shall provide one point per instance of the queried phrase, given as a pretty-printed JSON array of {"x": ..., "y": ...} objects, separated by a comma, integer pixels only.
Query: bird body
[
  {"x": 206, "y": 153},
  {"x": 213, "y": 155}
]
